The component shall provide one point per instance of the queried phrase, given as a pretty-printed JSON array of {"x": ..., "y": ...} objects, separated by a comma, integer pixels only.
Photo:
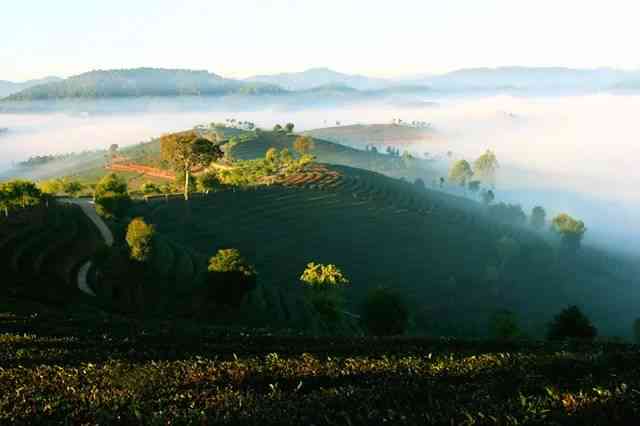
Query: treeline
[
  {"x": 19, "y": 194},
  {"x": 41, "y": 160}
]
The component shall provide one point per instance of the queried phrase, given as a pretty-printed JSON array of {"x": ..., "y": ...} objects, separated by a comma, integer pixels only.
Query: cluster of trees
[
  {"x": 17, "y": 194},
  {"x": 112, "y": 196},
  {"x": 63, "y": 186},
  {"x": 288, "y": 128},
  {"x": 275, "y": 163},
  {"x": 468, "y": 177},
  {"x": 41, "y": 160},
  {"x": 570, "y": 323}
]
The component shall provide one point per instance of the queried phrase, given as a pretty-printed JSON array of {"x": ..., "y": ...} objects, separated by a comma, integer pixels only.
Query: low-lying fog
[{"x": 573, "y": 154}]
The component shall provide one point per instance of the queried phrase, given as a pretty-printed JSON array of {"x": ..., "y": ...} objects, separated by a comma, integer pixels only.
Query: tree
[
  {"x": 187, "y": 150},
  {"x": 277, "y": 128},
  {"x": 538, "y": 217},
  {"x": 485, "y": 167},
  {"x": 508, "y": 248},
  {"x": 208, "y": 181},
  {"x": 385, "y": 312},
  {"x": 474, "y": 186},
  {"x": 271, "y": 155},
  {"x": 285, "y": 156},
  {"x": 51, "y": 187},
  {"x": 289, "y": 127},
  {"x": 231, "y": 276},
  {"x": 419, "y": 183},
  {"x": 19, "y": 193},
  {"x": 149, "y": 188},
  {"x": 487, "y": 196},
  {"x": 508, "y": 213},
  {"x": 111, "y": 196},
  {"x": 140, "y": 239},
  {"x": 571, "y": 323},
  {"x": 460, "y": 173},
  {"x": 571, "y": 231},
  {"x": 503, "y": 325},
  {"x": 323, "y": 284},
  {"x": 303, "y": 144},
  {"x": 72, "y": 187}
]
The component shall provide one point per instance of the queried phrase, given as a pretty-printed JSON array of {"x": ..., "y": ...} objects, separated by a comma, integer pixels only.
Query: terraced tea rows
[
  {"x": 339, "y": 216},
  {"x": 42, "y": 250}
]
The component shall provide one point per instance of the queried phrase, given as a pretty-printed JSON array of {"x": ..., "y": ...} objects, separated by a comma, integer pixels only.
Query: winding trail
[{"x": 89, "y": 210}]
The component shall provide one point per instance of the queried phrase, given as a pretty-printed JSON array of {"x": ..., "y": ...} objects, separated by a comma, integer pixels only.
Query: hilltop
[
  {"x": 141, "y": 82},
  {"x": 9, "y": 87},
  {"x": 379, "y": 135}
]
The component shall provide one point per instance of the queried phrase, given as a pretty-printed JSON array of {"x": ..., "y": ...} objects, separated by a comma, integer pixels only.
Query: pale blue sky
[{"x": 238, "y": 38}]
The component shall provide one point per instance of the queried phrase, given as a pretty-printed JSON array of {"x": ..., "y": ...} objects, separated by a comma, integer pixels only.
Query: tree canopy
[
  {"x": 111, "y": 196},
  {"x": 538, "y": 217},
  {"x": 18, "y": 193},
  {"x": 385, "y": 312},
  {"x": 231, "y": 276},
  {"x": 187, "y": 150},
  {"x": 460, "y": 173},
  {"x": 571, "y": 323},
  {"x": 303, "y": 144},
  {"x": 140, "y": 239},
  {"x": 485, "y": 167},
  {"x": 571, "y": 231}
]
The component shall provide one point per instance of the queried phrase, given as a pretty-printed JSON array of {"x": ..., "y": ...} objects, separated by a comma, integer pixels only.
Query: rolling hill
[
  {"x": 437, "y": 249},
  {"x": 9, "y": 87},
  {"x": 141, "y": 82},
  {"x": 361, "y": 135}
]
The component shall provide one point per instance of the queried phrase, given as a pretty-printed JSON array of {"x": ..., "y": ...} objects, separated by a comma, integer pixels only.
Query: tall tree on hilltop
[{"x": 185, "y": 151}]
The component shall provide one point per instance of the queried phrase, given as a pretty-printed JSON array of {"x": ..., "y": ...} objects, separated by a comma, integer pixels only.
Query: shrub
[
  {"x": 323, "y": 285},
  {"x": 571, "y": 323},
  {"x": 111, "y": 205},
  {"x": 385, "y": 312},
  {"x": 111, "y": 196},
  {"x": 140, "y": 239},
  {"x": 503, "y": 325},
  {"x": 231, "y": 277}
]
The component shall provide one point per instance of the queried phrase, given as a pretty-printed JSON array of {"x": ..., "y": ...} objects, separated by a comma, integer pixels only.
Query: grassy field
[{"x": 67, "y": 371}]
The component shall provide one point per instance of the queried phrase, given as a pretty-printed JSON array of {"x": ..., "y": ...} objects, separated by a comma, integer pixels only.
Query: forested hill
[{"x": 142, "y": 82}]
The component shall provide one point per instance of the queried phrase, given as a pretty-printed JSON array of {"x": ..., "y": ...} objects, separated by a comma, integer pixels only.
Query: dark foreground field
[{"x": 77, "y": 372}]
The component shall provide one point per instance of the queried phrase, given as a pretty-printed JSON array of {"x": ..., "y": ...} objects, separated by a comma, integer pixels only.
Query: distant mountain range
[
  {"x": 318, "y": 77},
  {"x": 319, "y": 81},
  {"x": 529, "y": 79},
  {"x": 9, "y": 87}
]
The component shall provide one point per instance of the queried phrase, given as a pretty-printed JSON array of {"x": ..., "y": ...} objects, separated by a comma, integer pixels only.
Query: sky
[{"x": 240, "y": 38}]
